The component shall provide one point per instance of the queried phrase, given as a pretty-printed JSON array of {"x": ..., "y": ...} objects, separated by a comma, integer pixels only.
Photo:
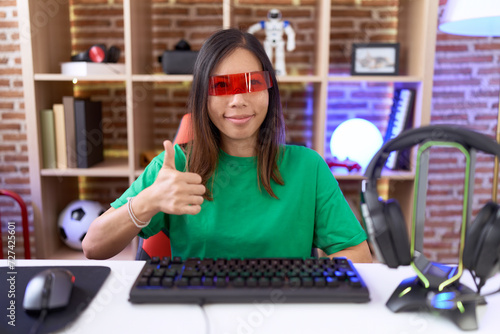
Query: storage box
[{"x": 82, "y": 68}]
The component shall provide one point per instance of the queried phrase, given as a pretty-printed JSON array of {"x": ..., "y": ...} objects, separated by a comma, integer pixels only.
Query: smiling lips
[{"x": 238, "y": 119}]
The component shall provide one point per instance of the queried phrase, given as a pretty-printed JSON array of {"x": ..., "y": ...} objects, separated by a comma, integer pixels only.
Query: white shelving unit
[{"x": 45, "y": 46}]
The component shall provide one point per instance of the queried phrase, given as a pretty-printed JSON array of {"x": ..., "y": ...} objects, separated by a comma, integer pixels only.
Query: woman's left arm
[{"x": 359, "y": 253}]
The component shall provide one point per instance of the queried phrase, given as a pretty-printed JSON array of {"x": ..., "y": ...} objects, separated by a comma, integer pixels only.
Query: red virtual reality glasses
[{"x": 239, "y": 83}]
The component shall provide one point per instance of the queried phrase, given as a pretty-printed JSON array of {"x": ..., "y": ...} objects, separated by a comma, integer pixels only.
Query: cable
[
  {"x": 45, "y": 303},
  {"x": 207, "y": 322},
  {"x": 36, "y": 327}
]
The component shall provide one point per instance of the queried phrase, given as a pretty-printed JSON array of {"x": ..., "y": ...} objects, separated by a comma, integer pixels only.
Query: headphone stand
[{"x": 411, "y": 295}]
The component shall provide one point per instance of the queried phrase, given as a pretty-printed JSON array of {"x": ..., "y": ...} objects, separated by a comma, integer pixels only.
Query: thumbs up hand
[{"x": 176, "y": 192}]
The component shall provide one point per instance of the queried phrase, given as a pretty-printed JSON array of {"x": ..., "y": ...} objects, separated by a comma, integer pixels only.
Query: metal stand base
[{"x": 411, "y": 295}]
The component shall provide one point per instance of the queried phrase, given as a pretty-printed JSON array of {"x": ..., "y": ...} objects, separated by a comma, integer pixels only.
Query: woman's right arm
[
  {"x": 173, "y": 192},
  {"x": 112, "y": 231}
]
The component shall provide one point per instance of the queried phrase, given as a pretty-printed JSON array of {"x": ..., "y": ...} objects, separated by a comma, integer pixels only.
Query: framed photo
[{"x": 375, "y": 59}]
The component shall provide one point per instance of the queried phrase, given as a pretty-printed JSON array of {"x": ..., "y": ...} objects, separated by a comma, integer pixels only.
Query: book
[
  {"x": 60, "y": 130},
  {"x": 400, "y": 120},
  {"x": 48, "y": 139},
  {"x": 69, "y": 122},
  {"x": 88, "y": 133}
]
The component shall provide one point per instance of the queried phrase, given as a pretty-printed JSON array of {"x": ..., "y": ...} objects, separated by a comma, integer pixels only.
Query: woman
[{"x": 235, "y": 191}]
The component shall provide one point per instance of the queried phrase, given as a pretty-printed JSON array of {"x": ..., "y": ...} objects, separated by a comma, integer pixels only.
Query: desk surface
[{"x": 110, "y": 311}]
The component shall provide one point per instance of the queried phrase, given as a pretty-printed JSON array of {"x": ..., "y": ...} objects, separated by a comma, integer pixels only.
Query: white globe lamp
[{"x": 357, "y": 140}]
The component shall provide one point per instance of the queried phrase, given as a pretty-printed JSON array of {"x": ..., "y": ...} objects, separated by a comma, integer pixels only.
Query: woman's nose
[{"x": 238, "y": 100}]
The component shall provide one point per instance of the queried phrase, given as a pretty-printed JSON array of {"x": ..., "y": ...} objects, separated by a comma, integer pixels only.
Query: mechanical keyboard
[{"x": 286, "y": 280}]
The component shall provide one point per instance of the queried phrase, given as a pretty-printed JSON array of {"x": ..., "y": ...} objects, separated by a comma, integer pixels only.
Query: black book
[{"x": 88, "y": 133}]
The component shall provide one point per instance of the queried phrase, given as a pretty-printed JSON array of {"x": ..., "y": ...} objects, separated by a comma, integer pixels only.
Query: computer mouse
[{"x": 49, "y": 289}]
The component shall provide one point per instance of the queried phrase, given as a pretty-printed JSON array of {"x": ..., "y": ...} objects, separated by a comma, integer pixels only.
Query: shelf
[
  {"x": 386, "y": 174},
  {"x": 162, "y": 77},
  {"x": 115, "y": 167},
  {"x": 144, "y": 105},
  {"x": 371, "y": 78},
  {"x": 189, "y": 78},
  {"x": 60, "y": 77},
  {"x": 298, "y": 78}
]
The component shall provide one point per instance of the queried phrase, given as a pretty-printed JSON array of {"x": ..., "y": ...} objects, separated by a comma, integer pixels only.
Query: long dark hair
[{"x": 203, "y": 150}]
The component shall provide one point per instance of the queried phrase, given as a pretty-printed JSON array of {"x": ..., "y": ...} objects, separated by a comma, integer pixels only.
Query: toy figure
[{"x": 275, "y": 27}]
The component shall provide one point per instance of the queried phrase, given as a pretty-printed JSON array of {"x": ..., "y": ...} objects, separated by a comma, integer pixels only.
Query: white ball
[
  {"x": 75, "y": 219},
  {"x": 357, "y": 140}
]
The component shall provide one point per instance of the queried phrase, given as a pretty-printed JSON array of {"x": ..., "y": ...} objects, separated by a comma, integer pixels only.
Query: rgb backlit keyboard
[{"x": 201, "y": 281}]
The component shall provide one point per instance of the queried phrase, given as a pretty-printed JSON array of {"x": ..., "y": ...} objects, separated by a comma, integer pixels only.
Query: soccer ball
[{"x": 75, "y": 219}]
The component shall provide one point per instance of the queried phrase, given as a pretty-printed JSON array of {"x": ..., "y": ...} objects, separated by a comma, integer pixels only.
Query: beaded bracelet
[{"x": 135, "y": 220}]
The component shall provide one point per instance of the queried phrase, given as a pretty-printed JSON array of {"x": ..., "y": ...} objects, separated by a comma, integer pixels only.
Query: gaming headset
[
  {"x": 385, "y": 223},
  {"x": 98, "y": 53}
]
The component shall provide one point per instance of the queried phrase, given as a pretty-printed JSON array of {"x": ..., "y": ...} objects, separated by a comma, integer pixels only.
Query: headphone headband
[{"x": 447, "y": 133}]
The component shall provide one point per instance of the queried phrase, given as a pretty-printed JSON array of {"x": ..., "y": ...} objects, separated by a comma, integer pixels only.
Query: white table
[{"x": 111, "y": 312}]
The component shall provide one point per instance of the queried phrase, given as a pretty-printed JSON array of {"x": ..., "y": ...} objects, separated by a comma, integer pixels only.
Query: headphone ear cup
[
  {"x": 97, "y": 53},
  {"x": 113, "y": 54},
  {"x": 398, "y": 232},
  {"x": 474, "y": 234},
  {"x": 82, "y": 56},
  {"x": 482, "y": 243}
]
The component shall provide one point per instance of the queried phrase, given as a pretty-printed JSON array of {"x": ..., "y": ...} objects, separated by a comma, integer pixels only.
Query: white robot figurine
[{"x": 275, "y": 27}]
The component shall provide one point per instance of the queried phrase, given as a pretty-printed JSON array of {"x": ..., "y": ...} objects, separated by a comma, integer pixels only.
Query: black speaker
[{"x": 179, "y": 61}]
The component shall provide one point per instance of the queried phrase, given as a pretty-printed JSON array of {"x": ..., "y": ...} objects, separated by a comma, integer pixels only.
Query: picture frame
[{"x": 375, "y": 59}]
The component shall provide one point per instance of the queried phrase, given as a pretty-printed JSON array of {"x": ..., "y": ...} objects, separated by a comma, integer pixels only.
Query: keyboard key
[
  {"x": 164, "y": 262},
  {"x": 207, "y": 262},
  {"x": 295, "y": 282},
  {"x": 264, "y": 282},
  {"x": 167, "y": 281},
  {"x": 191, "y": 273},
  {"x": 316, "y": 273},
  {"x": 245, "y": 274},
  {"x": 147, "y": 272},
  {"x": 355, "y": 282},
  {"x": 220, "y": 282},
  {"x": 238, "y": 281},
  {"x": 159, "y": 272},
  {"x": 277, "y": 282},
  {"x": 319, "y": 281},
  {"x": 207, "y": 281},
  {"x": 340, "y": 275},
  {"x": 269, "y": 273},
  {"x": 252, "y": 282},
  {"x": 257, "y": 274},
  {"x": 143, "y": 281},
  {"x": 195, "y": 281},
  {"x": 183, "y": 281},
  {"x": 279, "y": 273},
  {"x": 332, "y": 282},
  {"x": 253, "y": 263},
  {"x": 155, "y": 281},
  {"x": 220, "y": 262},
  {"x": 307, "y": 281},
  {"x": 171, "y": 272}
]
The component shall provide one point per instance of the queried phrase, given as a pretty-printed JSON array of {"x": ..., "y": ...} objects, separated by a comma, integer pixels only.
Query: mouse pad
[{"x": 88, "y": 281}]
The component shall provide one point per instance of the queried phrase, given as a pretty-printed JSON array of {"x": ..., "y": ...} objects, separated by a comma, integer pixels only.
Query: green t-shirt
[{"x": 244, "y": 221}]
